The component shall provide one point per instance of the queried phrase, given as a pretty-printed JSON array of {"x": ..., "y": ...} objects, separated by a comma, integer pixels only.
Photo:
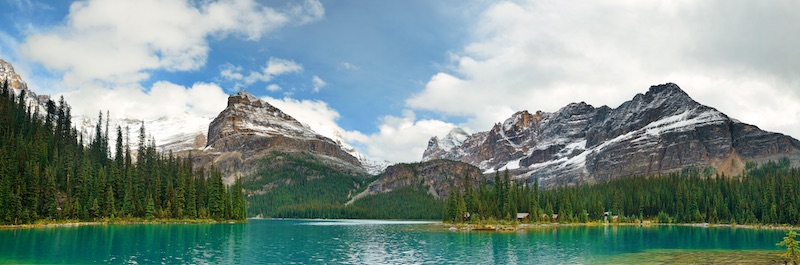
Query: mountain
[
  {"x": 250, "y": 125},
  {"x": 17, "y": 85},
  {"x": 436, "y": 177},
  {"x": 249, "y": 129},
  {"x": 661, "y": 131}
]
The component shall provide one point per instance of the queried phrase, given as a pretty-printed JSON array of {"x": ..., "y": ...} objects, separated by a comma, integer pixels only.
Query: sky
[{"x": 385, "y": 76}]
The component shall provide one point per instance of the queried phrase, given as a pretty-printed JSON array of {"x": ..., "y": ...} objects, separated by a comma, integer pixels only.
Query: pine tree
[
  {"x": 48, "y": 199},
  {"x": 108, "y": 208},
  {"x": 216, "y": 200},
  {"x": 149, "y": 208}
]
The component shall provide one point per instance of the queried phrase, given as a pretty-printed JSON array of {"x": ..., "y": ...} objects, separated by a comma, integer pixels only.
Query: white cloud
[
  {"x": 274, "y": 88},
  {"x": 276, "y": 66},
  {"x": 119, "y": 42},
  {"x": 272, "y": 68},
  {"x": 349, "y": 66},
  {"x": 318, "y": 83},
  {"x": 307, "y": 12},
  {"x": 231, "y": 72},
  {"x": 736, "y": 56},
  {"x": 163, "y": 99},
  {"x": 403, "y": 139}
]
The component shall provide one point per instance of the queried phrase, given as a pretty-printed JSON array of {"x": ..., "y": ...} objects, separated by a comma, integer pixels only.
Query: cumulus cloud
[
  {"x": 118, "y": 41},
  {"x": 404, "y": 138},
  {"x": 107, "y": 49},
  {"x": 738, "y": 56},
  {"x": 317, "y": 83},
  {"x": 163, "y": 99},
  {"x": 117, "y": 44}
]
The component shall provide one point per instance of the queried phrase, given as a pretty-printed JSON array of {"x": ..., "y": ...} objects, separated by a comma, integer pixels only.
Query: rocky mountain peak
[
  {"x": 251, "y": 127},
  {"x": 667, "y": 97},
  {"x": 246, "y": 114},
  {"x": 7, "y": 73},
  {"x": 448, "y": 143},
  {"x": 660, "y": 131},
  {"x": 667, "y": 89},
  {"x": 244, "y": 99}
]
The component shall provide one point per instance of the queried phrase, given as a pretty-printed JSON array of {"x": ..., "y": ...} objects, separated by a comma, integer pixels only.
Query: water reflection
[{"x": 356, "y": 242}]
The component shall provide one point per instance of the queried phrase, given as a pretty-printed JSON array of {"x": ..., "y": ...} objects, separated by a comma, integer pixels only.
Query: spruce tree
[
  {"x": 149, "y": 208},
  {"x": 216, "y": 200}
]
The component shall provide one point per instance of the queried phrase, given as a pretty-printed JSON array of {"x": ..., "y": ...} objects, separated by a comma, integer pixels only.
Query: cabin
[{"x": 522, "y": 217}]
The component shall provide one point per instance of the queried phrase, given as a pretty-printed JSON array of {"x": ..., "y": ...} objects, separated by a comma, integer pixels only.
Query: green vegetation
[
  {"x": 502, "y": 201},
  {"x": 49, "y": 173},
  {"x": 299, "y": 186},
  {"x": 405, "y": 203},
  {"x": 766, "y": 194},
  {"x": 792, "y": 254}
]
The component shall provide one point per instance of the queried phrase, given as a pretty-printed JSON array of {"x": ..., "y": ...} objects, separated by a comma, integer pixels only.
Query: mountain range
[
  {"x": 657, "y": 132},
  {"x": 661, "y": 131}
]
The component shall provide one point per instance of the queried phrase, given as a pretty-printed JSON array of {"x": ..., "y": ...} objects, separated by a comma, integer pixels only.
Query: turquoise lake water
[{"x": 357, "y": 242}]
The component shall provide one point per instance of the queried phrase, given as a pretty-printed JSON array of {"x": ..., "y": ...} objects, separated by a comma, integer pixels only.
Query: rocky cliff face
[
  {"x": 657, "y": 132},
  {"x": 438, "y": 177},
  {"x": 249, "y": 128}
]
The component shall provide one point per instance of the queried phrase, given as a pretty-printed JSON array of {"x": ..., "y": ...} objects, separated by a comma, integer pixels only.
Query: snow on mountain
[
  {"x": 17, "y": 85},
  {"x": 660, "y": 131},
  {"x": 171, "y": 133}
]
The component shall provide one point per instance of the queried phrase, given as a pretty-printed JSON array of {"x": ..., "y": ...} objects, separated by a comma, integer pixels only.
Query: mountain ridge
[{"x": 657, "y": 132}]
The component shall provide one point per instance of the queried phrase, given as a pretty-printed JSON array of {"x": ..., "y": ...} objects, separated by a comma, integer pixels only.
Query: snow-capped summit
[
  {"x": 438, "y": 148},
  {"x": 657, "y": 132}
]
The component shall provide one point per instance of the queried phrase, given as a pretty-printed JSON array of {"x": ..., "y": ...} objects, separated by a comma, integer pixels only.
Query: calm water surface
[{"x": 357, "y": 242}]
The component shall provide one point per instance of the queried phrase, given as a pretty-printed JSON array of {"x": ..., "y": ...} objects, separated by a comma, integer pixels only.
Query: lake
[{"x": 374, "y": 242}]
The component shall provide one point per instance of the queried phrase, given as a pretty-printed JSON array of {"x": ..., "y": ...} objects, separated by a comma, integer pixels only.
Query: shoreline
[
  {"x": 500, "y": 227},
  {"x": 76, "y": 223}
]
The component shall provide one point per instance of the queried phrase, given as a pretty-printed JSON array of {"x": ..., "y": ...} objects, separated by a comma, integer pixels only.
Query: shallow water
[{"x": 377, "y": 242}]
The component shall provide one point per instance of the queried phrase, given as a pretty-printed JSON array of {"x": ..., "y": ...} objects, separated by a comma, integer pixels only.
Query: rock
[{"x": 438, "y": 177}]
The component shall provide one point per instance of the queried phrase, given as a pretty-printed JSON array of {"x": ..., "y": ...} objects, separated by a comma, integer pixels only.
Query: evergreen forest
[
  {"x": 50, "y": 173},
  {"x": 767, "y": 194},
  {"x": 300, "y": 186}
]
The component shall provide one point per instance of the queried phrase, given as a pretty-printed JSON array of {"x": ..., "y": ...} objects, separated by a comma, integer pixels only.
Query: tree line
[
  {"x": 48, "y": 171},
  {"x": 765, "y": 194}
]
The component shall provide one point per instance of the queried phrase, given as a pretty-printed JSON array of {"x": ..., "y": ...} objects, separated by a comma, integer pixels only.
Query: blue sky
[{"x": 385, "y": 76}]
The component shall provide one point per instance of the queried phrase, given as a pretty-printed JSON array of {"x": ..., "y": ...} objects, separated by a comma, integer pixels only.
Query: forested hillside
[
  {"x": 49, "y": 173},
  {"x": 766, "y": 194},
  {"x": 300, "y": 186}
]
